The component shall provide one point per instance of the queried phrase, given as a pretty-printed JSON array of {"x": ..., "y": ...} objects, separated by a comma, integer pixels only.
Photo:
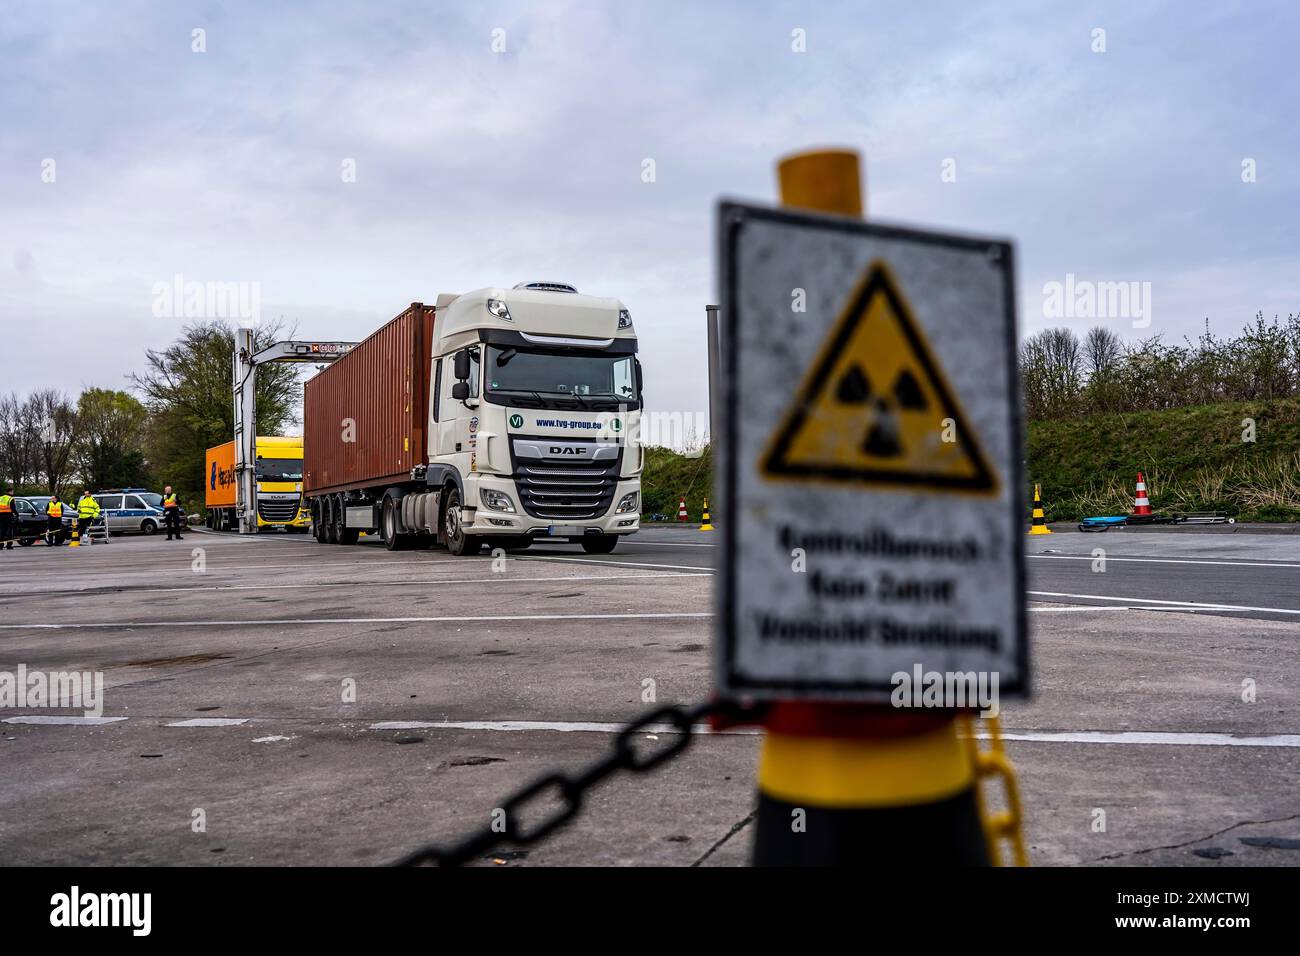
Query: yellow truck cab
[{"x": 279, "y": 485}]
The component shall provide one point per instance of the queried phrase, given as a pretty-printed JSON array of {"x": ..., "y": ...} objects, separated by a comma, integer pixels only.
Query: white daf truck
[{"x": 497, "y": 417}]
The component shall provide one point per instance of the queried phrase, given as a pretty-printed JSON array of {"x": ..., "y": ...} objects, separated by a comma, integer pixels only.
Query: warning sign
[
  {"x": 871, "y": 448},
  {"x": 875, "y": 407}
]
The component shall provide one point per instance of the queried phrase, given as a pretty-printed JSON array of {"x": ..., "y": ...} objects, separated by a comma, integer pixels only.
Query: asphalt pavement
[{"x": 275, "y": 700}]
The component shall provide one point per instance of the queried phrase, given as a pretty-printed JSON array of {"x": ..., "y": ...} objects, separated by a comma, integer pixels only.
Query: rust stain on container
[{"x": 382, "y": 386}]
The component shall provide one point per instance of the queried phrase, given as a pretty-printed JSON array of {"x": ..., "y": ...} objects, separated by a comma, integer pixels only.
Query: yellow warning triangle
[{"x": 875, "y": 407}]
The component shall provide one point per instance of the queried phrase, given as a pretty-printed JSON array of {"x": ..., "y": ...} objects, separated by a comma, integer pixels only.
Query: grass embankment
[
  {"x": 668, "y": 476},
  {"x": 1194, "y": 459}
]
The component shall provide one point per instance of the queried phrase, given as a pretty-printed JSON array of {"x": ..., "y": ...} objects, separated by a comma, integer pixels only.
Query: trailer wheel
[
  {"x": 458, "y": 542},
  {"x": 331, "y": 525}
]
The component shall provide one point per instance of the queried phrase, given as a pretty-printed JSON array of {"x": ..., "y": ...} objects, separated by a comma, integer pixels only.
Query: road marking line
[
  {"x": 625, "y": 564},
  {"x": 1158, "y": 738},
  {"x": 365, "y": 620},
  {"x": 1228, "y": 564},
  {"x": 560, "y": 726},
  {"x": 1086, "y": 608},
  {"x": 210, "y": 722},
  {"x": 1181, "y": 605},
  {"x": 1083, "y": 737},
  {"x": 52, "y": 720},
  {"x": 495, "y": 579}
]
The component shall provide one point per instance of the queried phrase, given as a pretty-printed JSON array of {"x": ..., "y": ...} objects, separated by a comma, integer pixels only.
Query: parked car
[
  {"x": 30, "y": 522},
  {"x": 132, "y": 510}
]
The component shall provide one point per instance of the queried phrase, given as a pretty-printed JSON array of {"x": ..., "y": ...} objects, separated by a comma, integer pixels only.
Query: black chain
[{"x": 572, "y": 789}]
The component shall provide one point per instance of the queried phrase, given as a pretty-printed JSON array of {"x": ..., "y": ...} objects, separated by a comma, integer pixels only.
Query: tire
[
  {"x": 318, "y": 520},
  {"x": 600, "y": 543},
  {"x": 458, "y": 542},
  {"x": 331, "y": 528},
  {"x": 393, "y": 541},
  {"x": 149, "y": 526}
]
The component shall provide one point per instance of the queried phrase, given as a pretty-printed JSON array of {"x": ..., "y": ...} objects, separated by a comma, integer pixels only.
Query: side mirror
[
  {"x": 460, "y": 367},
  {"x": 639, "y": 383},
  {"x": 460, "y": 391}
]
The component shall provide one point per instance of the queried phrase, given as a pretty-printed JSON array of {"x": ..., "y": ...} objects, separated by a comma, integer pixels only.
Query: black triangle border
[{"x": 877, "y": 282}]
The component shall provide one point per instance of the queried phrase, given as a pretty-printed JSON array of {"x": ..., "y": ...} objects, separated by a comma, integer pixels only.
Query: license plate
[{"x": 564, "y": 530}]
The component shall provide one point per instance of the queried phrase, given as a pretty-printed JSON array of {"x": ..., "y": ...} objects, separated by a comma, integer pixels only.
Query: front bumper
[{"x": 482, "y": 521}]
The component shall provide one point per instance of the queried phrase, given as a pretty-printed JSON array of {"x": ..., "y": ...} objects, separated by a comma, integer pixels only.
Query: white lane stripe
[
  {"x": 213, "y": 568},
  {"x": 1137, "y": 606},
  {"x": 1180, "y": 605},
  {"x": 1156, "y": 738},
  {"x": 1081, "y": 737},
  {"x": 623, "y": 564},
  {"x": 52, "y": 720},
  {"x": 1128, "y": 737},
  {"x": 495, "y": 579},
  {"x": 1090, "y": 609},
  {"x": 560, "y": 726},
  {"x": 1226, "y": 564},
  {"x": 667, "y": 544},
  {"x": 364, "y": 620}
]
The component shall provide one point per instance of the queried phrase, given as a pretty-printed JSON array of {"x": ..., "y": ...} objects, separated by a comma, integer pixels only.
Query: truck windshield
[
  {"x": 555, "y": 379},
  {"x": 279, "y": 469}
]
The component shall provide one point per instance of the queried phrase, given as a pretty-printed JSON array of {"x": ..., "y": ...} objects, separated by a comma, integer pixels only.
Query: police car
[{"x": 132, "y": 510}]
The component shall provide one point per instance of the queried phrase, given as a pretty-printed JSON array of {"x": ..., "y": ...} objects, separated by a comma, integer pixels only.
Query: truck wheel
[
  {"x": 600, "y": 543},
  {"x": 458, "y": 542},
  {"x": 388, "y": 527}
]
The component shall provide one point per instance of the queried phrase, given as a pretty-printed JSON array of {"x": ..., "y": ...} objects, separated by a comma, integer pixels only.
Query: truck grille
[
  {"x": 566, "y": 490},
  {"x": 277, "y": 510}
]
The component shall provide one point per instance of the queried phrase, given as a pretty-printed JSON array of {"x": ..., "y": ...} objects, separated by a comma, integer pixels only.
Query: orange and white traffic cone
[
  {"x": 1141, "y": 504},
  {"x": 681, "y": 511}
]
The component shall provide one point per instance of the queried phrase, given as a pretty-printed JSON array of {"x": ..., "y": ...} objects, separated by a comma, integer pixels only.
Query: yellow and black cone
[
  {"x": 829, "y": 801},
  {"x": 1038, "y": 524},
  {"x": 706, "y": 521},
  {"x": 76, "y": 534}
]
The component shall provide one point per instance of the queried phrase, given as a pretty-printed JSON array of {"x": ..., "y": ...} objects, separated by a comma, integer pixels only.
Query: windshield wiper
[{"x": 537, "y": 396}]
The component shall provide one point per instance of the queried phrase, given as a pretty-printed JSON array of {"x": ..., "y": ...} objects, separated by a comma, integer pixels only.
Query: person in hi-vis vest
[
  {"x": 7, "y": 518},
  {"x": 87, "y": 514},
  {"x": 54, "y": 521},
  {"x": 171, "y": 513}
]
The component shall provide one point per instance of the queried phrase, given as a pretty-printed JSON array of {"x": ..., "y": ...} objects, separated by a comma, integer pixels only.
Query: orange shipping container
[
  {"x": 219, "y": 476},
  {"x": 364, "y": 417}
]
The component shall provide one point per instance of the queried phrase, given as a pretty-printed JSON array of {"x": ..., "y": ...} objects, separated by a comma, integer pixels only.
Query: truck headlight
[
  {"x": 498, "y": 308},
  {"x": 624, "y": 319},
  {"x": 628, "y": 502},
  {"x": 495, "y": 500}
]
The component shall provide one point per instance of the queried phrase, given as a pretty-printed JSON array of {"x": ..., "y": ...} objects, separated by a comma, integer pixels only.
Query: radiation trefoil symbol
[{"x": 875, "y": 408}]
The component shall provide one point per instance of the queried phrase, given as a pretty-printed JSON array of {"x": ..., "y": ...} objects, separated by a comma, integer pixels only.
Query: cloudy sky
[{"x": 478, "y": 167}]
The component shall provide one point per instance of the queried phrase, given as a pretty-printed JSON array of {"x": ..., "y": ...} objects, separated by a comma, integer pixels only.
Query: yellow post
[{"x": 868, "y": 779}]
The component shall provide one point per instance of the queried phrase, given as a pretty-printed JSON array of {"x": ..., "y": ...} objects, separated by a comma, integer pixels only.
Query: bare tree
[{"x": 51, "y": 424}]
